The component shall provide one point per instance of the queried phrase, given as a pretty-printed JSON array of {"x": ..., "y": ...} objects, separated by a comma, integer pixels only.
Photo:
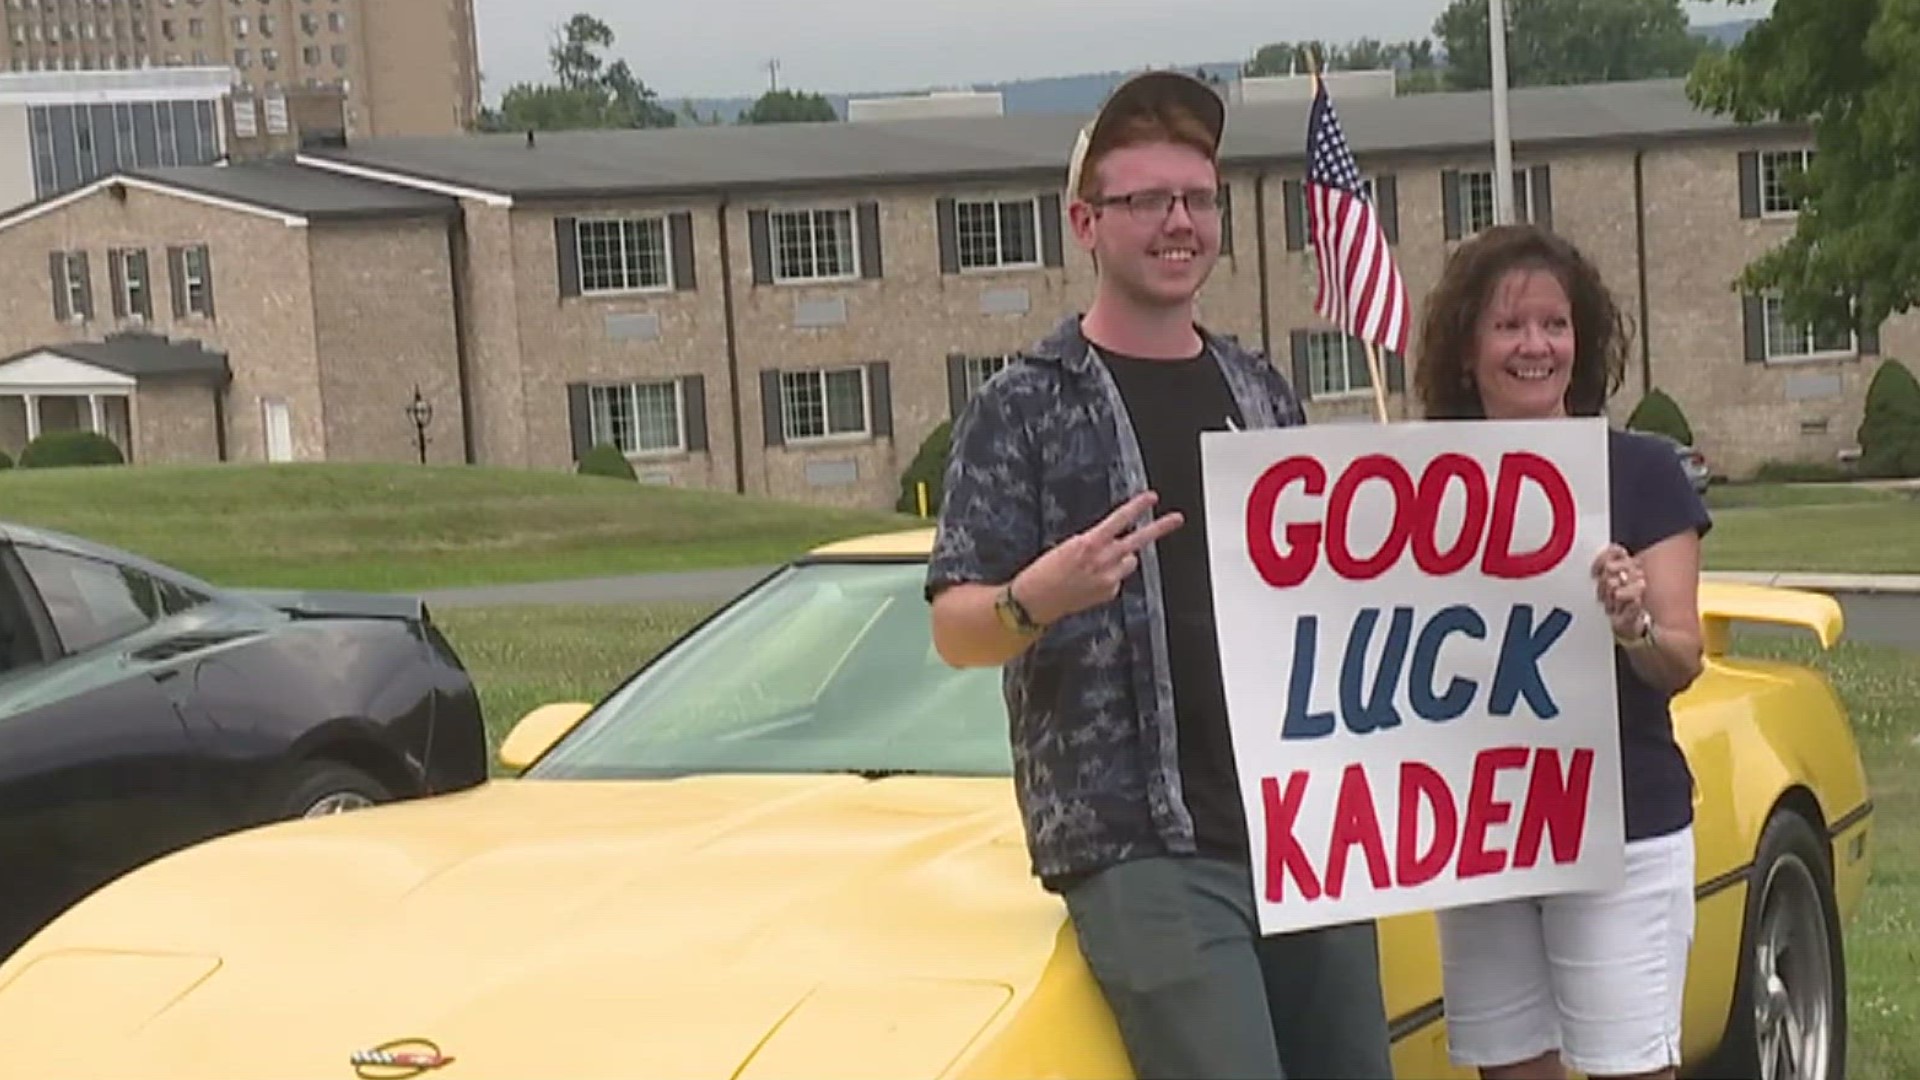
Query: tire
[
  {"x": 317, "y": 788},
  {"x": 1789, "y": 1017}
]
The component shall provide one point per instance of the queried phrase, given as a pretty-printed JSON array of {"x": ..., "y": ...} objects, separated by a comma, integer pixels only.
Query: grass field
[
  {"x": 525, "y": 656},
  {"x": 386, "y": 527},
  {"x": 1815, "y": 527}
]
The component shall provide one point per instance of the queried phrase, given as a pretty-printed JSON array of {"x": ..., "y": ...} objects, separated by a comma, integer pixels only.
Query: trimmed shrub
[
  {"x": 606, "y": 460},
  {"x": 66, "y": 449},
  {"x": 6, "y": 462},
  {"x": 1890, "y": 432},
  {"x": 929, "y": 467},
  {"x": 1659, "y": 414}
]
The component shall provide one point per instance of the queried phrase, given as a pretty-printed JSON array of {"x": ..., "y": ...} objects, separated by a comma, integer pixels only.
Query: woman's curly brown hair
[{"x": 1450, "y": 327}]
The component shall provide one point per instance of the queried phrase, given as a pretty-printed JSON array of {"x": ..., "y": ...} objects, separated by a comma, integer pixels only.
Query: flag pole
[{"x": 1502, "y": 131}]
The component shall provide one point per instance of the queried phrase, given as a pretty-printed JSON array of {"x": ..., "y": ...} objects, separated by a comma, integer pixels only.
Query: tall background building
[{"x": 406, "y": 67}]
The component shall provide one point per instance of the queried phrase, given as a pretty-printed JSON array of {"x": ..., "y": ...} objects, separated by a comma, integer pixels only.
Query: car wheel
[
  {"x": 319, "y": 788},
  {"x": 1790, "y": 1013}
]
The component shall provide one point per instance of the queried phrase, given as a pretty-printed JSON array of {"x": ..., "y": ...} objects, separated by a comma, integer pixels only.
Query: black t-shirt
[
  {"x": 1651, "y": 500},
  {"x": 1170, "y": 403}
]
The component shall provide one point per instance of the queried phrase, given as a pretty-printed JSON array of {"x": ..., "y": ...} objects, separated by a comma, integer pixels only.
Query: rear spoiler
[
  {"x": 1723, "y": 603},
  {"x": 320, "y": 604}
]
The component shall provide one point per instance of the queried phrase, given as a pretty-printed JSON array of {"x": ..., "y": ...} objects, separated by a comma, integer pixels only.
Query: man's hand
[{"x": 1088, "y": 568}]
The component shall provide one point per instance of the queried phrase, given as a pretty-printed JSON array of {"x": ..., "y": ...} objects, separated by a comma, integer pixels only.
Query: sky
[{"x": 721, "y": 48}]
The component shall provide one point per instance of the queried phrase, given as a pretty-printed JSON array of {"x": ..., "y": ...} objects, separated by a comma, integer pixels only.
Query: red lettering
[
  {"x": 1354, "y": 822},
  {"x": 1501, "y": 561},
  {"x": 1483, "y": 810},
  {"x": 1421, "y": 783},
  {"x": 1283, "y": 849},
  {"x": 1283, "y": 571},
  {"x": 1556, "y": 805},
  {"x": 1433, "y": 493},
  {"x": 1340, "y": 508}
]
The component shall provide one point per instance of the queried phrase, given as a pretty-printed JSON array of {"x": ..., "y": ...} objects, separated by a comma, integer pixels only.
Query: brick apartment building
[
  {"x": 408, "y": 67},
  {"x": 791, "y": 310}
]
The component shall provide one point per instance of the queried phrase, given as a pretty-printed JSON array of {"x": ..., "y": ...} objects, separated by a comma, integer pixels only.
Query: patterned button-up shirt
[{"x": 1043, "y": 451}]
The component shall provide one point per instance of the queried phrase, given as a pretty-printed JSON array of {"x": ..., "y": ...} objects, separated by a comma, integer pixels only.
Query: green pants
[{"x": 1199, "y": 993}]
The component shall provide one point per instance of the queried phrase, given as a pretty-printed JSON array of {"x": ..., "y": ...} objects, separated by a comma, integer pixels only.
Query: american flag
[{"x": 1361, "y": 290}]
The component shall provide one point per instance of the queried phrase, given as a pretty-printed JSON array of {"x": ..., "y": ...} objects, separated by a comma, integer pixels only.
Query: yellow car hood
[{"x": 713, "y": 927}]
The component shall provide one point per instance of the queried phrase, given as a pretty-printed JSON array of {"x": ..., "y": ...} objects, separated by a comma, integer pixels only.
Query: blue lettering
[
  {"x": 1301, "y": 724},
  {"x": 1456, "y": 619},
  {"x": 1376, "y": 713},
  {"x": 1518, "y": 672}
]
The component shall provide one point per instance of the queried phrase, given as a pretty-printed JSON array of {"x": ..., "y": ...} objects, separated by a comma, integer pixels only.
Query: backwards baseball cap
[{"x": 1142, "y": 95}]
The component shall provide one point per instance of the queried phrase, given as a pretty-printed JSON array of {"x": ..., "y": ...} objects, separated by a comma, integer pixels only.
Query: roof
[
  {"x": 137, "y": 355},
  {"x": 747, "y": 157},
  {"x": 292, "y": 189}
]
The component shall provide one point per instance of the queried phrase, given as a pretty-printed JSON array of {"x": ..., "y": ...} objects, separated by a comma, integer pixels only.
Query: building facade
[
  {"x": 792, "y": 311},
  {"x": 408, "y": 68}
]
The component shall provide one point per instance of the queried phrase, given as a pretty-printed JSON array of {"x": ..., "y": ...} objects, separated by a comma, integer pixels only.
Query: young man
[{"x": 1072, "y": 550}]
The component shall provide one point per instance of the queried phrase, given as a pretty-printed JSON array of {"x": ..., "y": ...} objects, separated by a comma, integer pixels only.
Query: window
[
  {"x": 998, "y": 234},
  {"x": 267, "y": 26},
  {"x": 976, "y": 370},
  {"x": 340, "y": 56},
  {"x": 1778, "y": 169},
  {"x": 72, "y": 289},
  {"x": 1336, "y": 365},
  {"x": 623, "y": 255},
  {"x": 1476, "y": 207},
  {"x": 638, "y": 418},
  {"x": 132, "y": 288},
  {"x": 240, "y": 25},
  {"x": 823, "y": 404},
  {"x": 192, "y": 282},
  {"x": 91, "y": 601},
  {"x": 310, "y": 55},
  {"x": 813, "y": 245},
  {"x": 1792, "y": 342}
]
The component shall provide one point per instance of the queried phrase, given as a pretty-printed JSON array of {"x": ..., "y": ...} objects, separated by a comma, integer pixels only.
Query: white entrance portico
[
  {"x": 44, "y": 391},
  {"x": 156, "y": 399}
]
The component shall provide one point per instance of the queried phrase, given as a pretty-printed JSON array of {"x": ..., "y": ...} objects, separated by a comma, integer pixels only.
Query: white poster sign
[{"x": 1419, "y": 675}]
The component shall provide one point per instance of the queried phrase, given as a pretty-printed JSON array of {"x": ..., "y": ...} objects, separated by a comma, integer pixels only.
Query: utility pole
[
  {"x": 773, "y": 74},
  {"x": 1502, "y": 132}
]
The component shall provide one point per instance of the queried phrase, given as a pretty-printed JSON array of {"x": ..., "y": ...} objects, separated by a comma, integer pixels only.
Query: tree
[
  {"x": 588, "y": 91},
  {"x": 1562, "y": 42},
  {"x": 789, "y": 107},
  {"x": 1850, "y": 70}
]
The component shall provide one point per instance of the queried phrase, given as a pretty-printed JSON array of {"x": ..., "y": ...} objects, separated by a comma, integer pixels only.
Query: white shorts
[{"x": 1600, "y": 977}]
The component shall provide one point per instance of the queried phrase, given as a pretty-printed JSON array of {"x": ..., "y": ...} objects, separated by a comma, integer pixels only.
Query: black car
[{"x": 143, "y": 710}]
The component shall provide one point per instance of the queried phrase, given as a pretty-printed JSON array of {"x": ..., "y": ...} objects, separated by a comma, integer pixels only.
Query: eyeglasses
[{"x": 1156, "y": 205}]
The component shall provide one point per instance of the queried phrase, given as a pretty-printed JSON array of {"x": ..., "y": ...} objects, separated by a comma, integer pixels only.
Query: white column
[
  {"x": 96, "y": 419},
  {"x": 33, "y": 417}
]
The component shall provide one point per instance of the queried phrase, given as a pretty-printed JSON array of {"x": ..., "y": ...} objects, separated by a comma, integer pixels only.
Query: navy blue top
[{"x": 1651, "y": 500}]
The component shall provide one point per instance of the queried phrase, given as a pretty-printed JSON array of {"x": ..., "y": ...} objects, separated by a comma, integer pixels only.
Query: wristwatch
[
  {"x": 1641, "y": 638},
  {"x": 1014, "y": 614}
]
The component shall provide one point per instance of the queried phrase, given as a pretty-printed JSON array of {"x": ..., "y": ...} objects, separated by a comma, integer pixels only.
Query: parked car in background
[
  {"x": 143, "y": 710},
  {"x": 1692, "y": 461},
  {"x": 788, "y": 846}
]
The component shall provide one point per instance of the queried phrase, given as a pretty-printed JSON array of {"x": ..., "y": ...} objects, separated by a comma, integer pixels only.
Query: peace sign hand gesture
[{"x": 1088, "y": 568}]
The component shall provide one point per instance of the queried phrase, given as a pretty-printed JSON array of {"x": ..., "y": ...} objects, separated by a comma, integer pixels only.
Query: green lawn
[
  {"x": 1823, "y": 528},
  {"x": 387, "y": 527},
  {"x": 522, "y": 657}
]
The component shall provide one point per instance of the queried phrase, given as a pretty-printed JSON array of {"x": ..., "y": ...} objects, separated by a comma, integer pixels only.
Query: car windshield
[{"x": 828, "y": 667}]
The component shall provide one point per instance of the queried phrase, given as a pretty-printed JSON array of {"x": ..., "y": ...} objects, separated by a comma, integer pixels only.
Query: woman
[{"x": 1522, "y": 328}]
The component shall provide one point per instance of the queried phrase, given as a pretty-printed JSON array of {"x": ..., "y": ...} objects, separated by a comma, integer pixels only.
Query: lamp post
[
  {"x": 420, "y": 411},
  {"x": 1503, "y": 208}
]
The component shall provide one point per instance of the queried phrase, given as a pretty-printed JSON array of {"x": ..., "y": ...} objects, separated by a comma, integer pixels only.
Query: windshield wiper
[{"x": 881, "y": 774}]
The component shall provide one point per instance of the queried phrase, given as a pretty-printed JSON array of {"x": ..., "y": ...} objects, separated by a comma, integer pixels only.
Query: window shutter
[
  {"x": 1541, "y": 178},
  {"x": 117, "y": 278},
  {"x": 62, "y": 297},
  {"x": 1450, "y": 202},
  {"x": 1396, "y": 373},
  {"x": 680, "y": 229},
  {"x": 1386, "y": 194},
  {"x": 760, "y": 246},
  {"x": 1755, "y": 318},
  {"x": 566, "y": 247},
  {"x": 949, "y": 230},
  {"x": 1869, "y": 340},
  {"x": 693, "y": 411},
  {"x": 1749, "y": 184},
  {"x": 177, "y": 280},
  {"x": 1226, "y": 219},
  {"x": 770, "y": 407},
  {"x": 1302, "y": 370},
  {"x": 579, "y": 419},
  {"x": 868, "y": 214},
  {"x": 1294, "y": 194},
  {"x": 880, "y": 398},
  {"x": 956, "y": 384},
  {"x": 1051, "y": 252}
]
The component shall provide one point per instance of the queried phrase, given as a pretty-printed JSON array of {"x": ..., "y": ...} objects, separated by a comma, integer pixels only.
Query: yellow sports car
[{"x": 788, "y": 847}]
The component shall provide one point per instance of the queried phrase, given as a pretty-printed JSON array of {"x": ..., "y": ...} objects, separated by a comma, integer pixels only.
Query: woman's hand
[
  {"x": 1652, "y": 600},
  {"x": 1620, "y": 583}
]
